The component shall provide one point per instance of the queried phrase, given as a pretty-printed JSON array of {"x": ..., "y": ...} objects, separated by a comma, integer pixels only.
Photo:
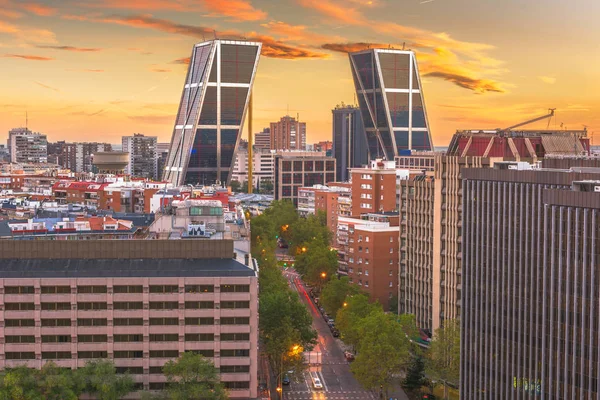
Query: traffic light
[{"x": 276, "y": 236}]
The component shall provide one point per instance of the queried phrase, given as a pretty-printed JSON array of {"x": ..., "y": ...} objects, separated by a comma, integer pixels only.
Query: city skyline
[{"x": 112, "y": 69}]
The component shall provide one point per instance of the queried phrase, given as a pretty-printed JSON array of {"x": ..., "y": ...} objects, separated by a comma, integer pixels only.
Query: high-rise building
[
  {"x": 374, "y": 188},
  {"x": 349, "y": 140},
  {"x": 389, "y": 92},
  {"x": 297, "y": 169},
  {"x": 212, "y": 112},
  {"x": 142, "y": 155},
  {"x": 262, "y": 140},
  {"x": 78, "y": 156},
  {"x": 162, "y": 152},
  {"x": 139, "y": 304},
  {"x": 288, "y": 134},
  {"x": 263, "y": 166},
  {"x": 27, "y": 146},
  {"x": 530, "y": 247}
]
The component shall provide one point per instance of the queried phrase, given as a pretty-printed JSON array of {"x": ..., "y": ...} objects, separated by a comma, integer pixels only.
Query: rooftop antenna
[
  {"x": 26, "y": 121},
  {"x": 215, "y": 34},
  {"x": 288, "y": 110},
  {"x": 403, "y": 45}
]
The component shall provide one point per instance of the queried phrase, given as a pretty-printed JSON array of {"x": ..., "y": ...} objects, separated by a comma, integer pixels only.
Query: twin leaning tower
[{"x": 217, "y": 90}]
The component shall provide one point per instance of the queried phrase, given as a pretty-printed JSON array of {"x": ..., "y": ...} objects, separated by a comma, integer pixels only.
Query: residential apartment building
[
  {"x": 334, "y": 200},
  {"x": 263, "y": 166},
  {"x": 262, "y": 140},
  {"x": 325, "y": 145},
  {"x": 369, "y": 250},
  {"x": 297, "y": 169},
  {"x": 350, "y": 147},
  {"x": 27, "y": 146},
  {"x": 139, "y": 304},
  {"x": 374, "y": 188},
  {"x": 288, "y": 134},
  {"x": 86, "y": 193},
  {"x": 162, "y": 152},
  {"x": 530, "y": 283},
  {"x": 415, "y": 294},
  {"x": 142, "y": 156},
  {"x": 78, "y": 156}
]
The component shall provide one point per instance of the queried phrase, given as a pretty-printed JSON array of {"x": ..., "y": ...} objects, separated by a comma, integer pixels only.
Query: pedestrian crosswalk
[{"x": 334, "y": 395}]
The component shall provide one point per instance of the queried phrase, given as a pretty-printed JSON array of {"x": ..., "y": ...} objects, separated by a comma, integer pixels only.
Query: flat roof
[{"x": 123, "y": 268}]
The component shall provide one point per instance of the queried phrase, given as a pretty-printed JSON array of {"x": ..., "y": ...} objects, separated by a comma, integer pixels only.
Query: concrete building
[
  {"x": 212, "y": 112},
  {"x": 138, "y": 303},
  {"x": 78, "y": 156},
  {"x": 262, "y": 140},
  {"x": 288, "y": 134},
  {"x": 370, "y": 250},
  {"x": 297, "y": 169},
  {"x": 530, "y": 283},
  {"x": 142, "y": 156},
  {"x": 374, "y": 188},
  {"x": 349, "y": 140},
  {"x": 263, "y": 166},
  {"x": 27, "y": 147},
  {"x": 334, "y": 200},
  {"x": 162, "y": 152},
  {"x": 324, "y": 145}
]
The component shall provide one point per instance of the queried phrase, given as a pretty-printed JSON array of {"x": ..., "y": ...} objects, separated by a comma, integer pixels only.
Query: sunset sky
[{"x": 94, "y": 70}]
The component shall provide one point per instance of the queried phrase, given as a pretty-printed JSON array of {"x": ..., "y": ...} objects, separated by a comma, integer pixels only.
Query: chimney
[{"x": 246, "y": 259}]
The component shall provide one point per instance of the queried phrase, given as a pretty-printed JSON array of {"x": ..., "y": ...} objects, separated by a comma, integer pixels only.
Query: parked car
[
  {"x": 286, "y": 380},
  {"x": 349, "y": 356},
  {"x": 335, "y": 332}
]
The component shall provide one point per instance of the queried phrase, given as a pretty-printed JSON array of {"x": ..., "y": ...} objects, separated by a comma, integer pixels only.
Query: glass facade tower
[
  {"x": 211, "y": 113},
  {"x": 388, "y": 89},
  {"x": 349, "y": 140}
]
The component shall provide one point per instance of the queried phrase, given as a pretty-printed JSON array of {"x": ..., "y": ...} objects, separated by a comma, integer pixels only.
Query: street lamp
[{"x": 345, "y": 304}]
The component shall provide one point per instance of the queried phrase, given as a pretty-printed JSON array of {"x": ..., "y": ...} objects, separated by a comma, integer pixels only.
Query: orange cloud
[
  {"x": 153, "y": 119},
  {"x": 75, "y": 17},
  {"x": 239, "y": 10},
  {"x": 29, "y": 57},
  {"x": 184, "y": 61},
  {"x": 10, "y": 14},
  {"x": 47, "y": 87},
  {"x": 160, "y": 70},
  {"x": 351, "y": 47},
  {"x": 39, "y": 9},
  {"x": 172, "y": 5},
  {"x": 85, "y": 70},
  {"x": 71, "y": 48},
  {"x": 296, "y": 33},
  {"x": 476, "y": 85},
  {"x": 5, "y": 27},
  {"x": 341, "y": 13}
]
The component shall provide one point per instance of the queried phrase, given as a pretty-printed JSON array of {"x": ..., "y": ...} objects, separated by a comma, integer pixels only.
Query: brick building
[{"x": 374, "y": 188}]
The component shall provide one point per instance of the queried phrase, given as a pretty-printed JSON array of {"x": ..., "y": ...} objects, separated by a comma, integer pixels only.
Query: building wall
[
  {"x": 349, "y": 140},
  {"x": 142, "y": 156},
  {"x": 29, "y": 148},
  {"x": 293, "y": 171},
  {"x": 373, "y": 190},
  {"x": 530, "y": 322},
  {"x": 288, "y": 134},
  {"x": 262, "y": 140}
]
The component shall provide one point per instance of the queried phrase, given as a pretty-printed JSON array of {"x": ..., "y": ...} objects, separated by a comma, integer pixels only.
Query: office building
[
  {"x": 297, "y": 169},
  {"x": 78, "y": 156},
  {"x": 390, "y": 97},
  {"x": 288, "y": 134},
  {"x": 212, "y": 112},
  {"x": 530, "y": 281},
  {"x": 349, "y": 140},
  {"x": 142, "y": 156},
  {"x": 162, "y": 152},
  {"x": 263, "y": 166},
  {"x": 137, "y": 303},
  {"x": 26, "y": 146},
  {"x": 262, "y": 140},
  {"x": 334, "y": 200}
]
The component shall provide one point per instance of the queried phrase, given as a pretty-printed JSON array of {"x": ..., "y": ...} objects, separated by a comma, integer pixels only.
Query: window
[
  {"x": 164, "y": 337},
  {"x": 199, "y": 337},
  {"x": 132, "y": 337},
  {"x": 366, "y": 272},
  {"x": 366, "y": 249},
  {"x": 130, "y": 370},
  {"x": 367, "y": 240},
  {"x": 128, "y": 289},
  {"x": 199, "y": 321},
  {"x": 365, "y": 205},
  {"x": 128, "y": 321},
  {"x": 235, "y": 321},
  {"x": 391, "y": 261},
  {"x": 232, "y": 369},
  {"x": 366, "y": 283},
  {"x": 93, "y": 338},
  {"x": 351, "y": 270},
  {"x": 164, "y": 353},
  {"x": 391, "y": 249},
  {"x": 391, "y": 272},
  {"x": 19, "y": 355},
  {"x": 164, "y": 305},
  {"x": 235, "y": 337},
  {"x": 199, "y": 288},
  {"x": 91, "y": 322},
  {"x": 129, "y": 354},
  {"x": 391, "y": 239},
  {"x": 56, "y": 306},
  {"x": 235, "y": 288},
  {"x": 195, "y": 305},
  {"x": 164, "y": 321},
  {"x": 56, "y": 290},
  {"x": 164, "y": 289},
  {"x": 91, "y": 289},
  {"x": 128, "y": 305},
  {"x": 156, "y": 370},
  {"x": 19, "y": 306},
  {"x": 235, "y": 304},
  {"x": 20, "y": 339},
  {"x": 92, "y": 354},
  {"x": 88, "y": 306},
  {"x": 235, "y": 353},
  {"x": 236, "y": 385},
  {"x": 55, "y": 322},
  {"x": 391, "y": 284},
  {"x": 18, "y": 290}
]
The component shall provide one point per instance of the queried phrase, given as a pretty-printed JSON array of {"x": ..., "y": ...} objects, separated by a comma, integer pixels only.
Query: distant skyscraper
[
  {"x": 27, "y": 146},
  {"x": 142, "y": 155},
  {"x": 78, "y": 156},
  {"x": 262, "y": 140},
  {"x": 349, "y": 140},
  {"x": 162, "y": 152},
  {"x": 212, "y": 111},
  {"x": 389, "y": 94},
  {"x": 288, "y": 134}
]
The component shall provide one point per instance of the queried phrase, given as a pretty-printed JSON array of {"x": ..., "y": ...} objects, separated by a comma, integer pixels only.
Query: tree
[
  {"x": 312, "y": 229},
  {"x": 334, "y": 294},
  {"x": 266, "y": 187},
  {"x": 444, "y": 354},
  {"x": 244, "y": 188},
  {"x": 59, "y": 384},
  {"x": 235, "y": 185},
  {"x": 415, "y": 375},
  {"x": 20, "y": 383},
  {"x": 314, "y": 260},
  {"x": 382, "y": 351},
  {"x": 349, "y": 318},
  {"x": 192, "y": 376},
  {"x": 101, "y": 380},
  {"x": 394, "y": 304}
]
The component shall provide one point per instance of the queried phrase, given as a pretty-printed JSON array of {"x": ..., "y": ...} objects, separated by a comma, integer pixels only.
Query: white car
[{"x": 317, "y": 383}]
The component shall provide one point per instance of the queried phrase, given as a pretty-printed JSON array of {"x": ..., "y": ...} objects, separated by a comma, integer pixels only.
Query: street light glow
[{"x": 323, "y": 274}]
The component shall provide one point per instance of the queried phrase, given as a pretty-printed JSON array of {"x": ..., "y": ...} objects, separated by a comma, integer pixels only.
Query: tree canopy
[
  {"x": 192, "y": 376},
  {"x": 334, "y": 294},
  {"x": 443, "y": 363}
]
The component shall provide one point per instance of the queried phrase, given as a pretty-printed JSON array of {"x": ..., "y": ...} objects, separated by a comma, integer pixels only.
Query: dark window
[
  {"x": 56, "y": 290},
  {"x": 164, "y": 289},
  {"x": 164, "y": 337},
  {"x": 395, "y": 69},
  {"x": 164, "y": 321},
  {"x": 164, "y": 305},
  {"x": 235, "y": 337},
  {"x": 91, "y": 289},
  {"x": 164, "y": 353},
  {"x": 20, "y": 322},
  {"x": 128, "y": 289},
  {"x": 128, "y": 321},
  {"x": 235, "y": 288},
  {"x": 199, "y": 321},
  {"x": 92, "y": 338},
  {"x": 232, "y": 369},
  {"x": 204, "y": 353},
  {"x": 92, "y": 354},
  {"x": 228, "y": 140},
  {"x": 199, "y": 337},
  {"x": 208, "y": 116},
  {"x": 56, "y": 306},
  {"x": 56, "y": 322},
  {"x": 156, "y": 370},
  {"x": 233, "y": 101},
  {"x": 129, "y": 338},
  {"x": 130, "y": 370},
  {"x": 19, "y": 355},
  {"x": 56, "y": 339},
  {"x": 19, "y": 306},
  {"x": 199, "y": 288},
  {"x": 128, "y": 305},
  {"x": 129, "y": 354},
  {"x": 364, "y": 67},
  {"x": 91, "y": 322},
  {"x": 235, "y": 353},
  {"x": 204, "y": 152},
  {"x": 235, "y": 321},
  {"x": 235, "y": 304},
  {"x": 194, "y": 305},
  {"x": 20, "y": 339},
  {"x": 236, "y": 385},
  {"x": 87, "y": 306},
  {"x": 18, "y": 290},
  {"x": 237, "y": 63},
  {"x": 55, "y": 355}
]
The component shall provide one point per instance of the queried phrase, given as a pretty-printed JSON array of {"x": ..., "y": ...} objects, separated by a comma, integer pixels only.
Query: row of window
[
  {"x": 225, "y": 369},
  {"x": 228, "y": 385},
  {"x": 125, "y": 321},
  {"x": 160, "y": 337},
  {"x": 127, "y": 305},
  {"x": 97, "y": 289},
  {"x": 56, "y": 355}
]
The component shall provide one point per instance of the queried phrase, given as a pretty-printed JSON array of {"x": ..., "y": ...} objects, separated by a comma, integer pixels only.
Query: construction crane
[{"x": 549, "y": 115}]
